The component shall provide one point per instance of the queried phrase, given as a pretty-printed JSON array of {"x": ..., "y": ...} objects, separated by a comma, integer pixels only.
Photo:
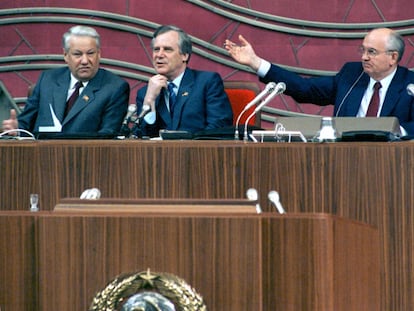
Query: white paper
[{"x": 57, "y": 127}]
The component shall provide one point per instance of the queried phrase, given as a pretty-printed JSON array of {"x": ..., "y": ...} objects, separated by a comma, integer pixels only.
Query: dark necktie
[
  {"x": 172, "y": 97},
  {"x": 73, "y": 97},
  {"x": 374, "y": 103}
]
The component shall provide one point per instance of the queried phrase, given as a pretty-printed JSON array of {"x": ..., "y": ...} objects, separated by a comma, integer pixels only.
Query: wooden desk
[
  {"x": 58, "y": 261},
  {"x": 323, "y": 178}
]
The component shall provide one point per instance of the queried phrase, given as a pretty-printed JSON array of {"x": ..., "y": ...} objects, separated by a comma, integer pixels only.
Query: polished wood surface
[
  {"x": 329, "y": 178},
  {"x": 58, "y": 261},
  {"x": 18, "y": 266},
  {"x": 163, "y": 206}
]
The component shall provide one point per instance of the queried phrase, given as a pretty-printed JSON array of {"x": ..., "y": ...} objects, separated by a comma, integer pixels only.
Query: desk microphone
[
  {"x": 267, "y": 90},
  {"x": 275, "y": 199},
  {"x": 410, "y": 89},
  {"x": 130, "y": 112},
  {"x": 279, "y": 89},
  {"x": 252, "y": 195},
  {"x": 145, "y": 110},
  {"x": 127, "y": 119}
]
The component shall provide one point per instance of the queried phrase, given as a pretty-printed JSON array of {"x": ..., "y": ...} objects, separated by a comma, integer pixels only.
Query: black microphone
[
  {"x": 267, "y": 90},
  {"x": 279, "y": 89},
  {"x": 410, "y": 89}
]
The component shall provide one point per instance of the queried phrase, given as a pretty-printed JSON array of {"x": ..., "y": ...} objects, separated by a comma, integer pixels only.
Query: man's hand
[
  {"x": 243, "y": 53},
  {"x": 155, "y": 85},
  {"x": 11, "y": 123}
]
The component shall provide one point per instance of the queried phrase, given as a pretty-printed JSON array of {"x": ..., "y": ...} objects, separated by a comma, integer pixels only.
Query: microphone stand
[
  {"x": 125, "y": 130},
  {"x": 279, "y": 89},
  {"x": 134, "y": 128},
  {"x": 145, "y": 110},
  {"x": 268, "y": 89}
]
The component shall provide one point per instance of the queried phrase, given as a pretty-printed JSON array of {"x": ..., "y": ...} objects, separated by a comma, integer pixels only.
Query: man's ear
[
  {"x": 394, "y": 56},
  {"x": 65, "y": 55},
  {"x": 185, "y": 58}
]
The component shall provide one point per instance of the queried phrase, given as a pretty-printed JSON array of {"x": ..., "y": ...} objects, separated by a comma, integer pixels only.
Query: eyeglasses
[{"x": 371, "y": 52}]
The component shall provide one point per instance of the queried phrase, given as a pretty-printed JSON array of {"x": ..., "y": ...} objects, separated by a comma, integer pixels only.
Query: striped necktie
[
  {"x": 172, "y": 97},
  {"x": 72, "y": 99}
]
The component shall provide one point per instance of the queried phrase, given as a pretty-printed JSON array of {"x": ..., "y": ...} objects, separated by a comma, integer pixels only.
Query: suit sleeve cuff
[{"x": 150, "y": 117}]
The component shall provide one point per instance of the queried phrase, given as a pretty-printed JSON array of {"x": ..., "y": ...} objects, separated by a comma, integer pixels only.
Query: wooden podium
[{"x": 236, "y": 262}]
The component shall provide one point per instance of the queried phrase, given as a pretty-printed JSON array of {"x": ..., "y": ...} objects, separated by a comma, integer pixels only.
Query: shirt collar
[
  {"x": 385, "y": 83},
  {"x": 73, "y": 81},
  {"x": 177, "y": 81}
]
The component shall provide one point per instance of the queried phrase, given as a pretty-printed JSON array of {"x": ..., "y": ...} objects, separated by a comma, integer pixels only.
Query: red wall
[{"x": 285, "y": 48}]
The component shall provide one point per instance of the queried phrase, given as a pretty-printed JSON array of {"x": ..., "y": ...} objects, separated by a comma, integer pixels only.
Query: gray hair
[
  {"x": 80, "y": 31},
  {"x": 184, "y": 40},
  {"x": 396, "y": 42}
]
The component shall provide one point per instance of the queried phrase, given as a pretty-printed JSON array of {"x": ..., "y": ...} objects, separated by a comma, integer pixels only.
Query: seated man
[
  {"x": 98, "y": 105},
  {"x": 198, "y": 100},
  {"x": 374, "y": 87}
]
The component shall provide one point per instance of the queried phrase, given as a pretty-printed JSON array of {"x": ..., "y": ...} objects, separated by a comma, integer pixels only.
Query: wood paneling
[
  {"x": 19, "y": 285},
  {"x": 58, "y": 261},
  {"x": 368, "y": 182}
]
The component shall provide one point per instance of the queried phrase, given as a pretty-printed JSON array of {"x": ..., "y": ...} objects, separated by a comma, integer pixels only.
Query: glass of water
[{"x": 34, "y": 201}]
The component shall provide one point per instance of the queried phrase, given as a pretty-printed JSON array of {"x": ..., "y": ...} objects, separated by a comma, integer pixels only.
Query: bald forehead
[
  {"x": 377, "y": 38},
  {"x": 379, "y": 34}
]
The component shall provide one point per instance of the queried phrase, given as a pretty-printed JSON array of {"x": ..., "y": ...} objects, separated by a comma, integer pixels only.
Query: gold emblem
[{"x": 130, "y": 289}]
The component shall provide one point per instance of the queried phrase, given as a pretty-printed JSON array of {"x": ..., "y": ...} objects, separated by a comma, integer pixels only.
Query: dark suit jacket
[
  {"x": 100, "y": 108},
  {"x": 346, "y": 89},
  {"x": 202, "y": 104}
]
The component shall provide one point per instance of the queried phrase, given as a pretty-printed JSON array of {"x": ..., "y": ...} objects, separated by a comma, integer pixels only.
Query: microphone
[
  {"x": 348, "y": 92},
  {"x": 267, "y": 90},
  {"x": 130, "y": 112},
  {"x": 127, "y": 119},
  {"x": 252, "y": 195},
  {"x": 91, "y": 194},
  {"x": 279, "y": 89},
  {"x": 410, "y": 89},
  {"x": 145, "y": 110},
  {"x": 274, "y": 198}
]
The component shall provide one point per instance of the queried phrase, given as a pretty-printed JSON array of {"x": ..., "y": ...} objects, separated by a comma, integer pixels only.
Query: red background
[{"x": 212, "y": 22}]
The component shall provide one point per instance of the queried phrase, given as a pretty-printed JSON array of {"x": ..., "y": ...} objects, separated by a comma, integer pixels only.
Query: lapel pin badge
[
  {"x": 85, "y": 98},
  {"x": 185, "y": 94}
]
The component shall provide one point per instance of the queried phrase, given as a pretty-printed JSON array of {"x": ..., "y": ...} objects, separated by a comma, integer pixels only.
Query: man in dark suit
[
  {"x": 102, "y": 99},
  {"x": 352, "y": 88},
  {"x": 198, "y": 100}
]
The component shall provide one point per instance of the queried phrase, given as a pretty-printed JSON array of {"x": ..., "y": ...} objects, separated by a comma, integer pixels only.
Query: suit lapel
[
  {"x": 393, "y": 94},
  {"x": 355, "y": 97},
  {"x": 86, "y": 97},
  {"x": 60, "y": 93}
]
